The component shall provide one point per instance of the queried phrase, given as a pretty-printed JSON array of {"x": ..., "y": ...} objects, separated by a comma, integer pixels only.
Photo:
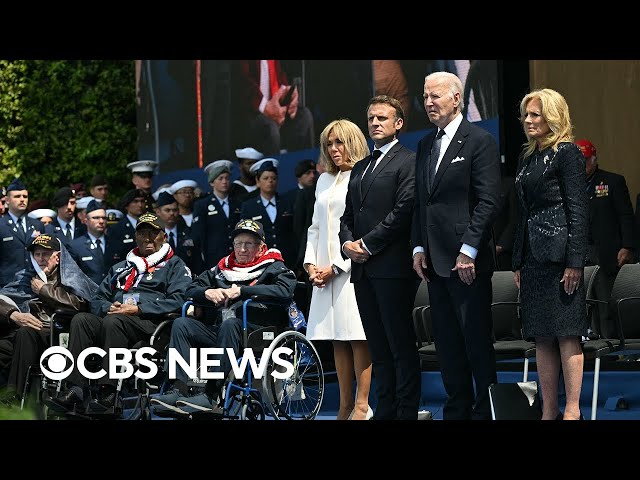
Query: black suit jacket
[
  {"x": 381, "y": 215},
  {"x": 610, "y": 217},
  {"x": 554, "y": 214},
  {"x": 463, "y": 203}
]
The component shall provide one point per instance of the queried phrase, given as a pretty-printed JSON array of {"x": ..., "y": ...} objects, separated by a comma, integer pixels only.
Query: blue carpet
[{"x": 613, "y": 385}]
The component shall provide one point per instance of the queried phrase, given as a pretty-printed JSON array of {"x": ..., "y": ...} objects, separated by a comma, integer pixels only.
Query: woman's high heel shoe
[{"x": 369, "y": 414}]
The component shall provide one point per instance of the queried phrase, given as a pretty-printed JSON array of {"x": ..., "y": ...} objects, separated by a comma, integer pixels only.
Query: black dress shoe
[
  {"x": 65, "y": 401},
  {"x": 103, "y": 404}
]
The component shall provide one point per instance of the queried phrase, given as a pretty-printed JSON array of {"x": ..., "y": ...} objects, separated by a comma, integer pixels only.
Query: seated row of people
[{"x": 133, "y": 298}]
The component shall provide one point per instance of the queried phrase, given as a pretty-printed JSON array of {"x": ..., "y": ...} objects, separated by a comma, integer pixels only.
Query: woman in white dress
[{"x": 333, "y": 314}]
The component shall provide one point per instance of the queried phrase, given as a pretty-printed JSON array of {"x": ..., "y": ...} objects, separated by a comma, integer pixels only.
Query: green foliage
[{"x": 63, "y": 121}]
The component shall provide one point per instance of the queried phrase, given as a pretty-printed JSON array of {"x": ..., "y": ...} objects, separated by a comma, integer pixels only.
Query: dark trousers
[
  {"x": 7, "y": 337},
  {"x": 385, "y": 309},
  {"x": 28, "y": 346},
  {"x": 189, "y": 333},
  {"x": 462, "y": 329},
  {"x": 112, "y": 331}
]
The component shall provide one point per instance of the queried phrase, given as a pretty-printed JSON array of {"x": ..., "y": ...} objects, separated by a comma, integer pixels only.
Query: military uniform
[
  {"x": 13, "y": 254},
  {"x": 185, "y": 247},
  {"x": 94, "y": 265},
  {"x": 122, "y": 235},
  {"x": 54, "y": 228},
  {"x": 211, "y": 229},
  {"x": 278, "y": 234}
]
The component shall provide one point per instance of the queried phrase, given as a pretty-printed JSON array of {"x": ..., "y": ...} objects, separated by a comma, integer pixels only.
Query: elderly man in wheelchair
[
  {"x": 136, "y": 295},
  {"x": 252, "y": 269}
]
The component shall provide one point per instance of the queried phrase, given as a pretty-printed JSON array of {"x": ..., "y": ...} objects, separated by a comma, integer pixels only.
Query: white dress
[{"x": 333, "y": 314}]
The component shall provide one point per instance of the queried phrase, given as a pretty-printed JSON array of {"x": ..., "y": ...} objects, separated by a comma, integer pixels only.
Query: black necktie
[
  {"x": 368, "y": 175},
  {"x": 435, "y": 153},
  {"x": 172, "y": 240},
  {"x": 224, "y": 204},
  {"x": 21, "y": 230},
  {"x": 68, "y": 233},
  {"x": 99, "y": 253},
  {"x": 271, "y": 203}
]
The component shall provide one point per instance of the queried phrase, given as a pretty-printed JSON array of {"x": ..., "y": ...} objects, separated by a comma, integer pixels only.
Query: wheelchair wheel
[
  {"x": 252, "y": 410},
  {"x": 298, "y": 397}
]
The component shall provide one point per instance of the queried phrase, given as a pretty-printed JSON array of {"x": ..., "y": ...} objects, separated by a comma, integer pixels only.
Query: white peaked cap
[{"x": 142, "y": 166}]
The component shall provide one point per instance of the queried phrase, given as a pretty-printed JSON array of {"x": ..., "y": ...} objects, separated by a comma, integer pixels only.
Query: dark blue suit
[
  {"x": 185, "y": 247},
  {"x": 211, "y": 229},
  {"x": 279, "y": 234},
  {"x": 13, "y": 254},
  {"x": 378, "y": 211},
  {"x": 54, "y": 228},
  {"x": 83, "y": 252},
  {"x": 122, "y": 235},
  {"x": 460, "y": 208}
]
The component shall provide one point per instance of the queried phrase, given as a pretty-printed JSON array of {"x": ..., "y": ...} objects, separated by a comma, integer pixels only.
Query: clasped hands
[
  {"x": 221, "y": 296},
  {"x": 319, "y": 277},
  {"x": 356, "y": 251},
  {"x": 123, "y": 309}
]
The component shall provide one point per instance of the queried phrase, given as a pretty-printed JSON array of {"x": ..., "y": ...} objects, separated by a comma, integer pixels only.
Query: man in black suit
[
  {"x": 375, "y": 234},
  {"x": 457, "y": 200},
  {"x": 610, "y": 238}
]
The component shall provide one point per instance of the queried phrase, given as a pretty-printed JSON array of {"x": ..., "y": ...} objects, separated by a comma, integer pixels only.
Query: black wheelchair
[{"x": 132, "y": 394}]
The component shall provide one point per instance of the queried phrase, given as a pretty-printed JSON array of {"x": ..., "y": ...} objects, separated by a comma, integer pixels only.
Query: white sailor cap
[
  {"x": 83, "y": 202},
  {"x": 182, "y": 184},
  {"x": 114, "y": 215},
  {"x": 157, "y": 193},
  {"x": 142, "y": 166},
  {"x": 214, "y": 169},
  {"x": 266, "y": 164},
  {"x": 42, "y": 212},
  {"x": 250, "y": 153}
]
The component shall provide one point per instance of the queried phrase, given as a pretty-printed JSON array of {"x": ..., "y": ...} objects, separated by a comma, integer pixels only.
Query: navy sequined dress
[{"x": 551, "y": 235}]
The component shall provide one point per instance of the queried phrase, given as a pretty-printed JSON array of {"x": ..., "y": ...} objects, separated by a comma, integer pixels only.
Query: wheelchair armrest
[
  {"x": 64, "y": 314},
  {"x": 172, "y": 316},
  {"x": 270, "y": 300}
]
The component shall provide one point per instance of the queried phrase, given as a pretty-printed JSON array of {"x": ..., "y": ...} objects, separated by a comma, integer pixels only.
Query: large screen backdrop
[{"x": 192, "y": 112}]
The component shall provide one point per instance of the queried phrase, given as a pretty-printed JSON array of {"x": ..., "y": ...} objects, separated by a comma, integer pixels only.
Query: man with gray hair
[{"x": 457, "y": 200}]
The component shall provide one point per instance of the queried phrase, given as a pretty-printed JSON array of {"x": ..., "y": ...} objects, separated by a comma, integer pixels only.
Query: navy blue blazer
[
  {"x": 54, "y": 228},
  {"x": 13, "y": 253},
  {"x": 211, "y": 229},
  {"x": 83, "y": 252},
  {"x": 463, "y": 202},
  {"x": 279, "y": 234},
  {"x": 123, "y": 236},
  {"x": 380, "y": 214}
]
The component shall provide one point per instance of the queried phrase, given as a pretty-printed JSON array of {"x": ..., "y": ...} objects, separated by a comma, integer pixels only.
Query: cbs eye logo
[{"x": 53, "y": 363}]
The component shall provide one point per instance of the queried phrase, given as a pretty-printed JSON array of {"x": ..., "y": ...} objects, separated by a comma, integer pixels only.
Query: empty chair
[{"x": 507, "y": 331}]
